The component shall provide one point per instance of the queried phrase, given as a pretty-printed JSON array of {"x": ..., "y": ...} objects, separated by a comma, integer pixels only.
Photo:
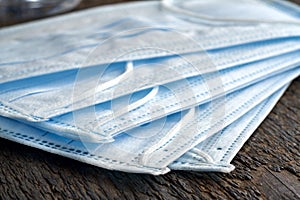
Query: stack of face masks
[{"x": 148, "y": 86}]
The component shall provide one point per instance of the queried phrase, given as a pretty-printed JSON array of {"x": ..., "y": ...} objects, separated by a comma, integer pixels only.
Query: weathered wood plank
[{"x": 268, "y": 167}]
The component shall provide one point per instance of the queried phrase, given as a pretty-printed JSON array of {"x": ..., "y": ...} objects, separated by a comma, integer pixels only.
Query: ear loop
[
  {"x": 172, "y": 5},
  {"x": 128, "y": 69},
  {"x": 148, "y": 156}
]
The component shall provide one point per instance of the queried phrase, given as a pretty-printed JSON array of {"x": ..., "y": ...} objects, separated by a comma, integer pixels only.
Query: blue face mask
[
  {"x": 150, "y": 91},
  {"x": 169, "y": 99},
  {"x": 68, "y": 49},
  {"x": 149, "y": 30},
  {"x": 212, "y": 118},
  {"x": 130, "y": 150},
  {"x": 47, "y": 96},
  {"x": 216, "y": 152}
]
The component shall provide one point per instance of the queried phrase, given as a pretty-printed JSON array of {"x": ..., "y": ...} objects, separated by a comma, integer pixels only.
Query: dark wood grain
[{"x": 268, "y": 167}]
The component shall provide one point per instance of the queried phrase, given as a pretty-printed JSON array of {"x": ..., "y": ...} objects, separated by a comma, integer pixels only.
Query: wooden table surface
[{"x": 267, "y": 167}]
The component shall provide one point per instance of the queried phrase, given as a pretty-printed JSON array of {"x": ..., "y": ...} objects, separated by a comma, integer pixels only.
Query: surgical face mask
[
  {"x": 169, "y": 99},
  {"x": 124, "y": 154},
  {"x": 49, "y": 91},
  {"x": 216, "y": 152},
  {"x": 104, "y": 35},
  {"x": 197, "y": 90},
  {"x": 210, "y": 119},
  {"x": 107, "y": 156},
  {"x": 43, "y": 97}
]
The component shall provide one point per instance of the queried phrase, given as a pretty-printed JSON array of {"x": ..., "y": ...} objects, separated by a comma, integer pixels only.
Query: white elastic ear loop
[
  {"x": 136, "y": 104},
  {"x": 171, "y": 5},
  {"x": 146, "y": 157},
  {"x": 201, "y": 154},
  {"x": 115, "y": 81}
]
